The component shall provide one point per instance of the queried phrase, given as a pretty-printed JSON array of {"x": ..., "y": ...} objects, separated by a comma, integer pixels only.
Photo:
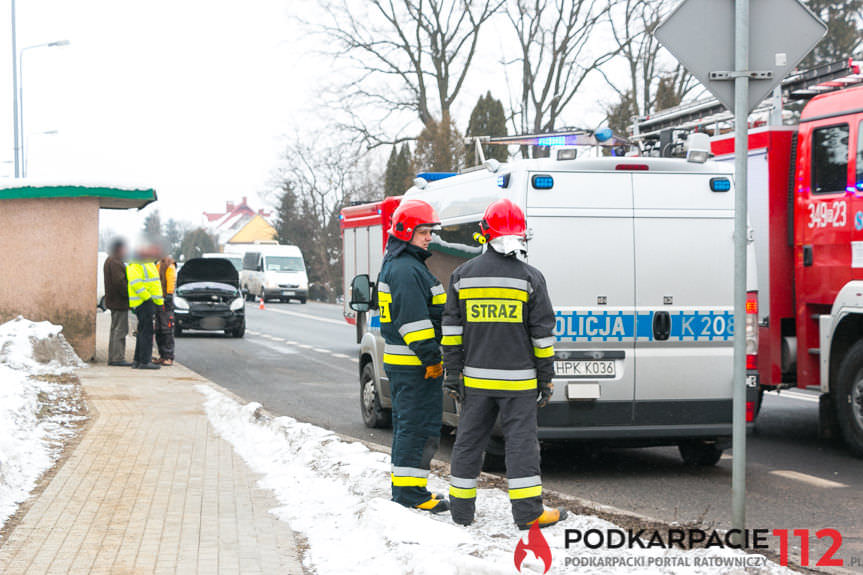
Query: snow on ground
[
  {"x": 38, "y": 410},
  {"x": 336, "y": 494}
]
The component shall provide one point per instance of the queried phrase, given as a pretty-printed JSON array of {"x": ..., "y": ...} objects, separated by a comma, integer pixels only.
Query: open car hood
[{"x": 217, "y": 270}]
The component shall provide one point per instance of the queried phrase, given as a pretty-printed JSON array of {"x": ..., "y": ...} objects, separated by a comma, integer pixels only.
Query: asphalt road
[{"x": 300, "y": 360}]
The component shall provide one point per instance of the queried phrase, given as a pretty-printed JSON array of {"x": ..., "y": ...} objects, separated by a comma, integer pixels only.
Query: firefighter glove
[
  {"x": 434, "y": 371},
  {"x": 546, "y": 388},
  {"x": 453, "y": 386}
]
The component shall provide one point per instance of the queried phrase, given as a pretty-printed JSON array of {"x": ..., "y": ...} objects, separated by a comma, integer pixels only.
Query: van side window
[
  {"x": 858, "y": 180},
  {"x": 830, "y": 159},
  {"x": 453, "y": 245},
  {"x": 250, "y": 261}
]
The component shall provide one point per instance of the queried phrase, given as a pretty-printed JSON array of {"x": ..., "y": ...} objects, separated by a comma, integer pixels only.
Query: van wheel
[
  {"x": 699, "y": 453},
  {"x": 374, "y": 416},
  {"x": 849, "y": 398}
]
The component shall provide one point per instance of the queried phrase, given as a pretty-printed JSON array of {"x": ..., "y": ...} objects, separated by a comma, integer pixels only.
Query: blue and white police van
[{"x": 638, "y": 255}]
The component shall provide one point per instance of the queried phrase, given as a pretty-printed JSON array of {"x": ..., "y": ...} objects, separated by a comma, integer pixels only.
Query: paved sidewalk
[{"x": 150, "y": 488}]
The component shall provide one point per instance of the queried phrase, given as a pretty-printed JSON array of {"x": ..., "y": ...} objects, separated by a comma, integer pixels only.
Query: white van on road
[{"x": 274, "y": 272}]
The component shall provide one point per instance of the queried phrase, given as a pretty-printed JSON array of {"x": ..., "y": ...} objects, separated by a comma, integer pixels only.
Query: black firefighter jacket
[
  {"x": 497, "y": 325},
  {"x": 410, "y": 301}
]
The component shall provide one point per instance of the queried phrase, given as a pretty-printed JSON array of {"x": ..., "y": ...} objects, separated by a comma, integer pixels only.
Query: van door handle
[{"x": 661, "y": 325}]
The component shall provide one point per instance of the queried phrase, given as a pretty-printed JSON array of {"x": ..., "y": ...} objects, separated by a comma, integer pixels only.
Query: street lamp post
[
  {"x": 20, "y": 106},
  {"x": 15, "y": 93}
]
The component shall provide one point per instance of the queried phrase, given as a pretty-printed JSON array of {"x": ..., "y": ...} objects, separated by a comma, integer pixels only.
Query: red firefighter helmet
[
  {"x": 503, "y": 218},
  {"x": 409, "y": 216}
]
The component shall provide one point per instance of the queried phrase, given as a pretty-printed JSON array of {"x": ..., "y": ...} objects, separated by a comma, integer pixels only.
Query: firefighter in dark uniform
[
  {"x": 498, "y": 353},
  {"x": 411, "y": 302}
]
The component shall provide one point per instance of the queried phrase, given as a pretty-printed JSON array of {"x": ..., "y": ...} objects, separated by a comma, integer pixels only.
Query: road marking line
[
  {"x": 801, "y": 396},
  {"x": 806, "y": 478},
  {"x": 355, "y": 360},
  {"x": 341, "y": 355},
  {"x": 290, "y": 342},
  {"x": 320, "y": 350},
  {"x": 309, "y": 316},
  {"x": 304, "y": 346}
]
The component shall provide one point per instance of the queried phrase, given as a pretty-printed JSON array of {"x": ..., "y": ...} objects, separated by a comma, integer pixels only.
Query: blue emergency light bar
[{"x": 435, "y": 176}]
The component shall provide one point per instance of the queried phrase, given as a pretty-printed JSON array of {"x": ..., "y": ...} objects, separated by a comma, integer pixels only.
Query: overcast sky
[{"x": 196, "y": 98}]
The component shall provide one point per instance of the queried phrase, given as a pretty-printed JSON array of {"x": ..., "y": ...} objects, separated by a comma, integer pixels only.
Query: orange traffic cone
[{"x": 261, "y": 305}]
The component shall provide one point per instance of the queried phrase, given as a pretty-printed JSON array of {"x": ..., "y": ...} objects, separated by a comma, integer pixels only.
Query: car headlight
[
  {"x": 237, "y": 304},
  {"x": 180, "y": 303}
]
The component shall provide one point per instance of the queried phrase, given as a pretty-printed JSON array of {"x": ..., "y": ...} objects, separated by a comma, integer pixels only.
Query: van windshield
[{"x": 284, "y": 264}]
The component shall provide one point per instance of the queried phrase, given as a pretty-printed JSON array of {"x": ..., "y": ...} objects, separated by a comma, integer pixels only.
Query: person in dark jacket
[
  {"x": 410, "y": 301},
  {"x": 499, "y": 358},
  {"x": 117, "y": 301}
]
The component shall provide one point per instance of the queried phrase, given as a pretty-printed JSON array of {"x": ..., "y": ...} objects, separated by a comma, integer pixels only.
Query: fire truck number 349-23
[{"x": 824, "y": 214}]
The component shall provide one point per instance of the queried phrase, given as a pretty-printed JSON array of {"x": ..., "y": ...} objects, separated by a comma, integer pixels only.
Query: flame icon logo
[{"x": 535, "y": 542}]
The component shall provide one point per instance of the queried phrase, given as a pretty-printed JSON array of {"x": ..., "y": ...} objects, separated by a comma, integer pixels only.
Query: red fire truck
[{"x": 806, "y": 213}]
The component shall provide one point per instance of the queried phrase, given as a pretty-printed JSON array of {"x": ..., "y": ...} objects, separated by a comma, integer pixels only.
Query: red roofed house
[{"x": 240, "y": 224}]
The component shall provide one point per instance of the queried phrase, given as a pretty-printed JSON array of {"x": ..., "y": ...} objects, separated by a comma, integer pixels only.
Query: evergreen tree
[
  {"x": 843, "y": 31},
  {"x": 153, "y": 225},
  {"x": 440, "y": 147},
  {"x": 174, "y": 237},
  {"x": 399, "y": 174},
  {"x": 197, "y": 242},
  {"x": 487, "y": 119},
  {"x": 619, "y": 116},
  {"x": 389, "y": 174}
]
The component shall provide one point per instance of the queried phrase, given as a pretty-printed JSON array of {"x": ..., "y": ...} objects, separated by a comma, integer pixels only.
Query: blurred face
[{"x": 422, "y": 237}]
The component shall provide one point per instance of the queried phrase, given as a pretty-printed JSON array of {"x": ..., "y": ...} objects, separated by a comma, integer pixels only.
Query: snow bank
[
  {"x": 36, "y": 414},
  {"x": 36, "y": 348},
  {"x": 336, "y": 494}
]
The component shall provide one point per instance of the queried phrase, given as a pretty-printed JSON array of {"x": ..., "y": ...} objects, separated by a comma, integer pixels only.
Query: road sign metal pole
[{"x": 741, "y": 232}]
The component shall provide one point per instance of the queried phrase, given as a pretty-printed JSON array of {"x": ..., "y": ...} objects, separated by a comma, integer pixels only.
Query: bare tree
[
  {"x": 314, "y": 184},
  {"x": 650, "y": 85},
  {"x": 556, "y": 39},
  {"x": 409, "y": 55}
]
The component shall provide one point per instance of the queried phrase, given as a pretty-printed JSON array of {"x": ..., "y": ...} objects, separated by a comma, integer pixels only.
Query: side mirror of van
[{"x": 361, "y": 293}]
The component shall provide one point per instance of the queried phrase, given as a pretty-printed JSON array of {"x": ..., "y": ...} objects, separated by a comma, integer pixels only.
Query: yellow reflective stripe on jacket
[
  {"x": 493, "y": 293},
  {"x": 525, "y": 492},
  {"x": 451, "y": 340},
  {"x": 407, "y": 481},
  {"x": 394, "y": 359},
  {"x": 438, "y": 295},
  {"x": 500, "y": 384},
  {"x": 543, "y": 351},
  {"x": 419, "y": 335},
  {"x": 462, "y": 493}
]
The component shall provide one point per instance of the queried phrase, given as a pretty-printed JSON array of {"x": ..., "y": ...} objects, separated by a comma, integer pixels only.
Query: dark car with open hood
[{"x": 208, "y": 297}]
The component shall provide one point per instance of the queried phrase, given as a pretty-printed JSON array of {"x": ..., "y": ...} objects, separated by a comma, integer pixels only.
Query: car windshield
[
  {"x": 284, "y": 264},
  {"x": 237, "y": 261}
]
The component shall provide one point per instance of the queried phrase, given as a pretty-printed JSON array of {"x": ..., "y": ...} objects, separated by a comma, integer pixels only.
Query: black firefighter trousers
[
  {"x": 417, "y": 411},
  {"x": 518, "y": 420}
]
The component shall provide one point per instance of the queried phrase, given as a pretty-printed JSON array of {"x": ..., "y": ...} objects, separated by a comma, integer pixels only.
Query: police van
[{"x": 638, "y": 256}]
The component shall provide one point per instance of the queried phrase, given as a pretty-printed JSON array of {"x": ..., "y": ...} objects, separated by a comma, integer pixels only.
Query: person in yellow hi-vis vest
[{"x": 145, "y": 299}]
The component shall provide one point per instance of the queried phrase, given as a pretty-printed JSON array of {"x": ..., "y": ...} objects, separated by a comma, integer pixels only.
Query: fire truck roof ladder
[{"x": 800, "y": 85}]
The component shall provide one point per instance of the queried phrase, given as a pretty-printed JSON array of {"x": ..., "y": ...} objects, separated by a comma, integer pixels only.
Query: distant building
[{"x": 240, "y": 224}]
